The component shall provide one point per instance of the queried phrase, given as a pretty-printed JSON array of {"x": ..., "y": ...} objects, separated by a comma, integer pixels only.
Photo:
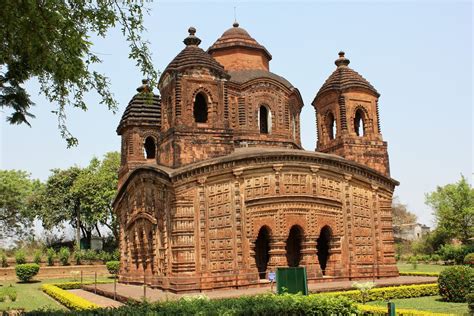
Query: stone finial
[
  {"x": 236, "y": 24},
  {"x": 192, "y": 40},
  {"x": 342, "y": 61},
  {"x": 145, "y": 87}
]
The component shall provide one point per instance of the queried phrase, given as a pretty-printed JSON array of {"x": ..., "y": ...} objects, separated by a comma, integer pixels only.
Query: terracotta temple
[{"x": 215, "y": 189}]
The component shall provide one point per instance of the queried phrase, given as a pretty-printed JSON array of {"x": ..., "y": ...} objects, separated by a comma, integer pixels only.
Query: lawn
[
  {"x": 427, "y": 303},
  {"x": 30, "y": 297},
  {"x": 421, "y": 267}
]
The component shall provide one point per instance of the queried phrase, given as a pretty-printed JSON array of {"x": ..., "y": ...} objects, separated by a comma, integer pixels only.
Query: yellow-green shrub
[
  {"x": 377, "y": 310},
  {"x": 391, "y": 292},
  {"x": 68, "y": 299}
]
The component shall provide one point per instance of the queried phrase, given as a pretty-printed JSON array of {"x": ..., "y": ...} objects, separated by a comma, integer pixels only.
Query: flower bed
[{"x": 433, "y": 274}]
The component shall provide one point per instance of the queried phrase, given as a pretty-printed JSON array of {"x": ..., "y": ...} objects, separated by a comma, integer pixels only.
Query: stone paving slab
[{"x": 136, "y": 292}]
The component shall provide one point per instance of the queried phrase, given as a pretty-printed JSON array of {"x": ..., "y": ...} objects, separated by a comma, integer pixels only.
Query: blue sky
[{"x": 418, "y": 55}]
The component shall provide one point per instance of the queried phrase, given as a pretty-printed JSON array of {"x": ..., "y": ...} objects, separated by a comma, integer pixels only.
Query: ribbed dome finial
[
  {"x": 192, "y": 39},
  {"x": 342, "y": 61}
]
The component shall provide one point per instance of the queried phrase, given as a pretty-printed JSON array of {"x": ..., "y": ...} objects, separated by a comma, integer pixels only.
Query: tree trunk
[{"x": 78, "y": 224}]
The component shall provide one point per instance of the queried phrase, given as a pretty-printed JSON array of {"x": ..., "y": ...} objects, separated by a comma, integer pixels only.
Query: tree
[
  {"x": 81, "y": 197},
  {"x": 16, "y": 188},
  {"x": 453, "y": 207},
  {"x": 400, "y": 214},
  {"x": 97, "y": 186},
  {"x": 50, "y": 41}
]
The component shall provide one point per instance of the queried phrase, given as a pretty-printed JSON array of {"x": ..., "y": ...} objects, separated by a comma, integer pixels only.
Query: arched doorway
[
  {"x": 262, "y": 251},
  {"x": 293, "y": 246},
  {"x": 323, "y": 245},
  {"x": 150, "y": 148}
]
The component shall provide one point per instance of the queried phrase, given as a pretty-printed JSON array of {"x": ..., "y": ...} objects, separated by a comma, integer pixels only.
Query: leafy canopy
[
  {"x": 85, "y": 192},
  {"x": 16, "y": 189},
  {"x": 50, "y": 41},
  {"x": 453, "y": 207}
]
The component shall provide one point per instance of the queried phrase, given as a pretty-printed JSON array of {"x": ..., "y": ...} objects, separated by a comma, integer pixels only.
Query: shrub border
[
  {"x": 390, "y": 292},
  {"x": 70, "y": 300},
  {"x": 377, "y": 310},
  {"x": 59, "y": 292}
]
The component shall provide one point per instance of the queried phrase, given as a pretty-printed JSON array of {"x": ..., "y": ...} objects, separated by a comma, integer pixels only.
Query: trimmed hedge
[
  {"x": 388, "y": 293},
  {"x": 377, "y": 310},
  {"x": 455, "y": 283},
  {"x": 268, "y": 304},
  {"x": 25, "y": 272},
  {"x": 68, "y": 299},
  {"x": 433, "y": 274}
]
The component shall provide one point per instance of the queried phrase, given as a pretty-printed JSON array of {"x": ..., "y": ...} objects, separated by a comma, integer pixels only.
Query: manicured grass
[
  {"x": 421, "y": 267},
  {"x": 30, "y": 297},
  {"x": 427, "y": 303}
]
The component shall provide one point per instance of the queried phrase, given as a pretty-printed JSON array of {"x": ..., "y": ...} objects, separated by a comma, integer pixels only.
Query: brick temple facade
[{"x": 215, "y": 189}]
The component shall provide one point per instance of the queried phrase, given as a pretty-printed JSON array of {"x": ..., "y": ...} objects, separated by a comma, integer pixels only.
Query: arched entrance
[
  {"x": 293, "y": 246},
  {"x": 262, "y": 251},
  {"x": 323, "y": 245}
]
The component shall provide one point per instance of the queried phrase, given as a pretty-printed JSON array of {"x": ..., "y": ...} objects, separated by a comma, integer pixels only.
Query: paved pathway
[
  {"x": 96, "y": 299},
  {"x": 125, "y": 291}
]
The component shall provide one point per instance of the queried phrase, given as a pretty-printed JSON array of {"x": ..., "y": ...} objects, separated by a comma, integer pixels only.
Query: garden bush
[
  {"x": 37, "y": 256},
  {"x": 268, "y": 304},
  {"x": 469, "y": 259},
  {"x": 25, "y": 272},
  {"x": 113, "y": 267},
  {"x": 435, "y": 258},
  {"x": 470, "y": 302},
  {"x": 455, "y": 283},
  {"x": 20, "y": 256},
  {"x": 389, "y": 293},
  {"x": 78, "y": 255},
  {"x": 50, "y": 254},
  {"x": 4, "y": 262},
  {"x": 90, "y": 255},
  {"x": 456, "y": 253},
  {"x": 64, "y": 255}
]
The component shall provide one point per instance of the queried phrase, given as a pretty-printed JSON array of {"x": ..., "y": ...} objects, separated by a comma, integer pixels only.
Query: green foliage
[
  {"x": 470, "y": 302},
  {"x": 455, "y": 283},
  {"x": 68, "y": 299},
  {"x": 78, "y": 256},
  {"x": 64, "y": 255},
  {"x": 81, "y": 197},
  {"x": 20, "y": 256},
  {"x": 453, "y": 206},
  {"x": 391, "y": 292},
  {"x": 16, "y": 188},
  {"x": 8, "y": 292},
  {"x": 50, "y": 255},
  {"x": 90, "y": 255},
  {"x": 3, "y": 259},
  {"x": 455, "y": 253},
  {"x": 51, "y": 42},
  {"x": 113, "y": 267},
  {"x": 37, "y": 256},
  {"x": 286, "y": 304},
  {"x": 469, "y": 259},
  {"x": 25, "y": 272},
  {"x": 364, "y": 289}
]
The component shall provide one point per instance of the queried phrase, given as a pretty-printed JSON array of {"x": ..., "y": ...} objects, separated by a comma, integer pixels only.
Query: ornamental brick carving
[{"x": 215, "y": 190}]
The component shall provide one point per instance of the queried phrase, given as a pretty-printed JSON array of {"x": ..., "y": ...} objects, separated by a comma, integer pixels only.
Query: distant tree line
[{"x": 76, "y": 197}]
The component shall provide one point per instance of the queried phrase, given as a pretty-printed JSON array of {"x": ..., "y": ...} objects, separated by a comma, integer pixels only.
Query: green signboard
[{"x": 291, "y": 280}]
